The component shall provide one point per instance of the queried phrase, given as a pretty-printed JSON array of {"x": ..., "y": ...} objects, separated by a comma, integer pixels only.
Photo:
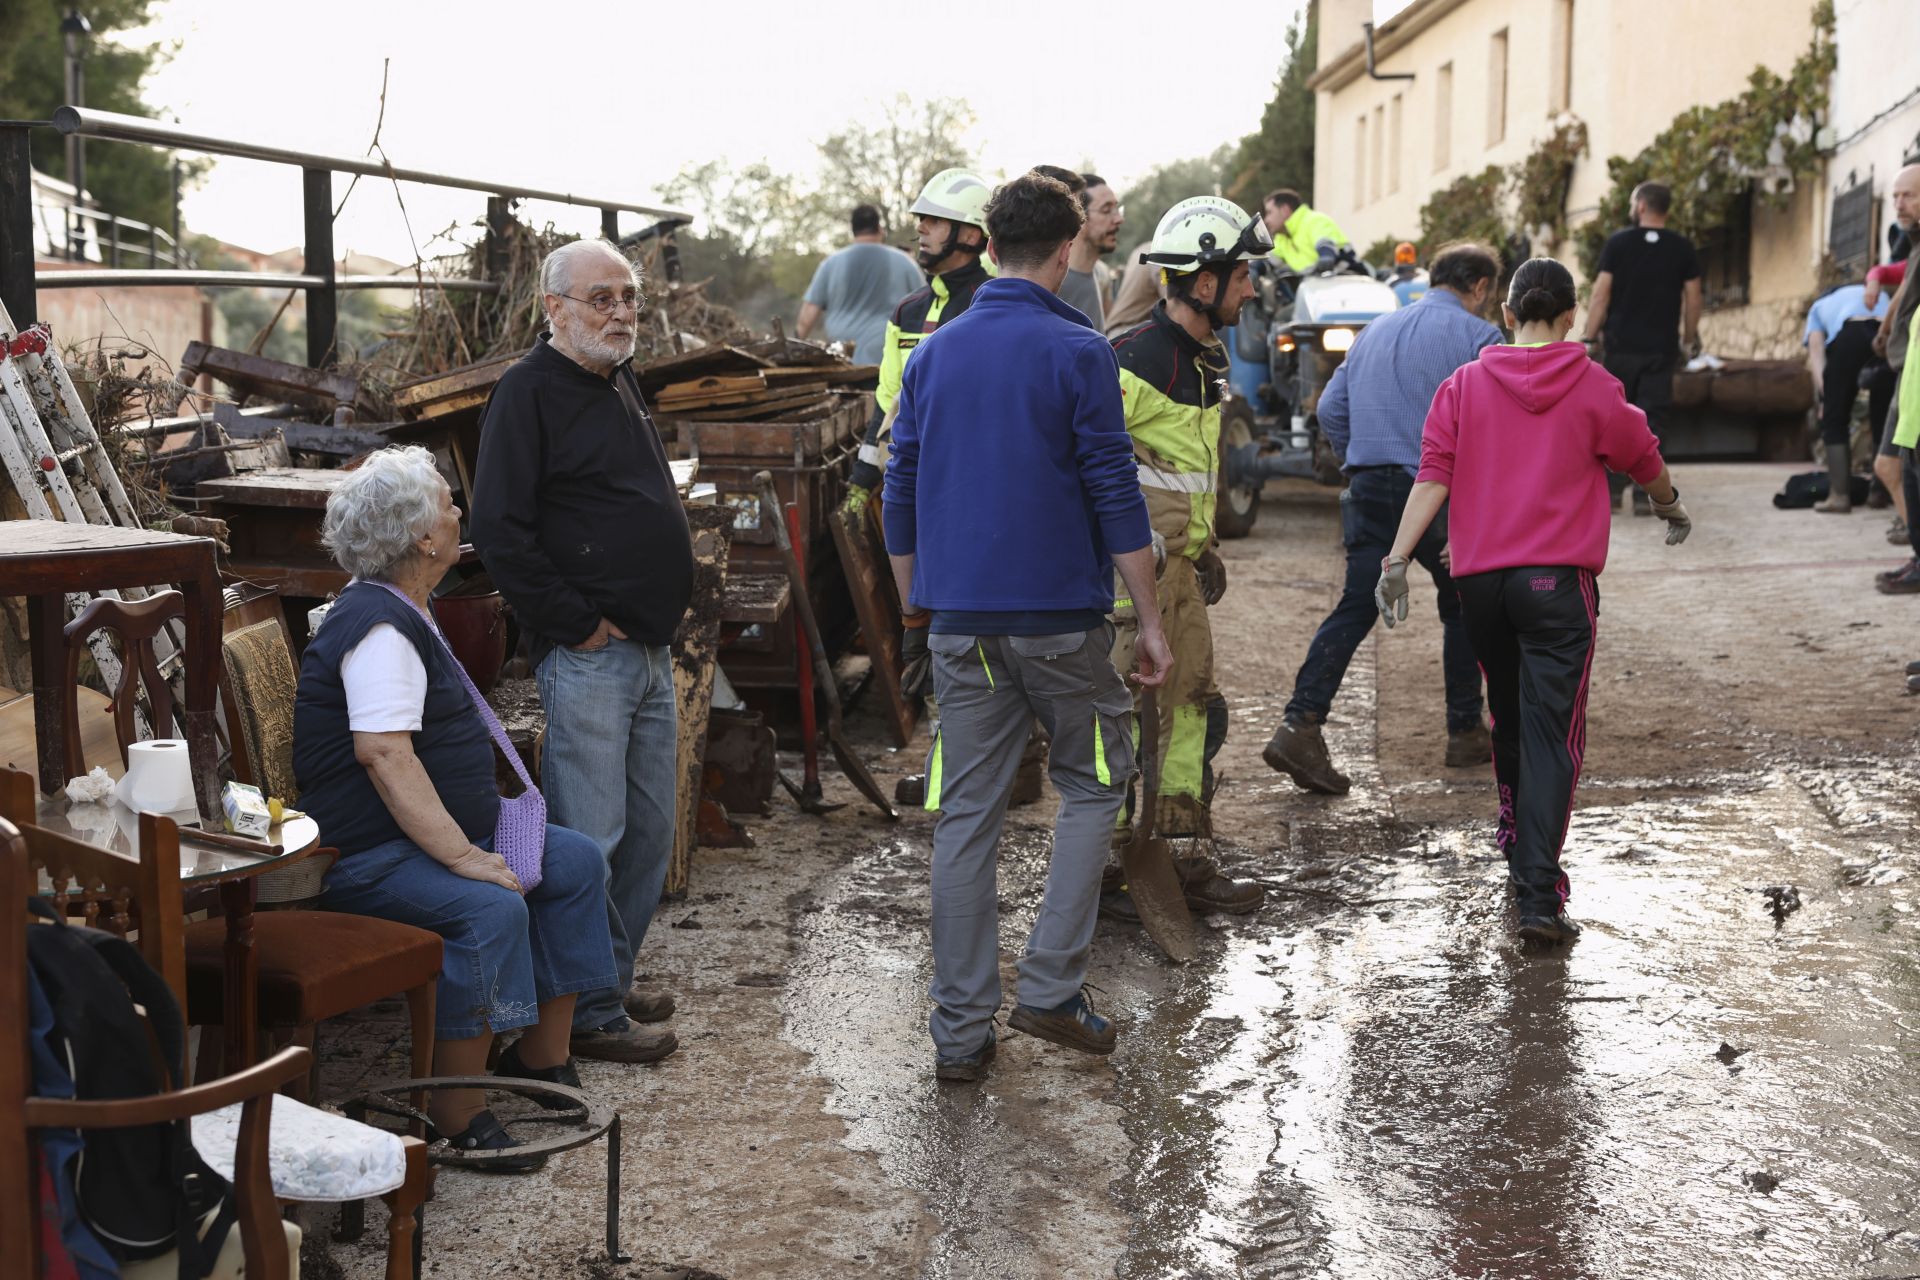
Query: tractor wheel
[{"x": 1236, "y": 509}]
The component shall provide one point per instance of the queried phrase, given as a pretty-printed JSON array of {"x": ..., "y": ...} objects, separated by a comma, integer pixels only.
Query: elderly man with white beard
[{"x": 576, "y": 518}]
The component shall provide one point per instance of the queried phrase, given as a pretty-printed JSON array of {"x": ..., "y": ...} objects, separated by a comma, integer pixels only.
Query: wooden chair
[
  {"x": 108, "y": 890},
  {"x": 136, "y": 623},
  {"x": 264, "y": 1241}
]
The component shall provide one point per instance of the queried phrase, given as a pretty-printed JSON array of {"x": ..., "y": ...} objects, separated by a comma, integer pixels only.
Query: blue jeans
[
  {"x": 503, "y": 955},
  {"x": 1370, "y": 510},
  {"x": 610, "y": 770}
]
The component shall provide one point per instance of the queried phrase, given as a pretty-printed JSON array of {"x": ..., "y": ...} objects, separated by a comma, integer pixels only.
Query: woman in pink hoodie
[{"x": 1521, "y": 441}]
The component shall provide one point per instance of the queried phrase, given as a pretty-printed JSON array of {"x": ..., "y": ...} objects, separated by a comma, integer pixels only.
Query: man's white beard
[{"x": 599, "y": 348}]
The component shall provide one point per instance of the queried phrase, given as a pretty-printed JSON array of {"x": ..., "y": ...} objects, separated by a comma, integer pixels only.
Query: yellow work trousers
[{"x": 1182, "y": 700}]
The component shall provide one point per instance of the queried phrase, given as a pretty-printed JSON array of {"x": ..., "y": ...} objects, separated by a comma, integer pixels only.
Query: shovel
[
  {"x": 850, "y": 764},
  {"x": 1147, "y": 861}
]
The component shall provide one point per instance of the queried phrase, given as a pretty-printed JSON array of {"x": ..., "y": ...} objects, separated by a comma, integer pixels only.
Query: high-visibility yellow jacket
[
  {"x": 919, "y": 314},
  {"x": 1298, "y": 243},
  {"x": 1907, "y": 433},
  {"x": 1171, "y": 386}
]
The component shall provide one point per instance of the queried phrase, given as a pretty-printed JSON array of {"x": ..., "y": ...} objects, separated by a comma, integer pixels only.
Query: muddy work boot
[
  {"x": 1299, "y": 751},
  {"x": 1469, "y": 747},
  {"x": 1548, "y": 931},
  {"x": 647, "y": 1006},
  {"x": 911, "y": 791},
  {"x": 965, "y": 1068},
  {"x": 622, "y": 1041},
  {"x": 1208, "y": 890},
  {"x": 1904, "y": 583},
  {"x": 1074, "y": 1025}
]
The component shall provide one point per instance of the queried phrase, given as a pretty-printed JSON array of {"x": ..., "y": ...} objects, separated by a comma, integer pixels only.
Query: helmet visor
[{"x": 1255, "y": 240}]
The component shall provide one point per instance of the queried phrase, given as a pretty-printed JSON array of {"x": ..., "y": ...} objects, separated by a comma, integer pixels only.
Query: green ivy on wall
[{"x": 1713, "y": 156}]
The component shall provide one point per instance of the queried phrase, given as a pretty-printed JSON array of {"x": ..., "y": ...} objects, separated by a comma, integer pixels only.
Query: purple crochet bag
[{"x": 520, "y": 832}]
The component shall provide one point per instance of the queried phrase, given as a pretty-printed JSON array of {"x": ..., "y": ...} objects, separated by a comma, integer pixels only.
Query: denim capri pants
[{"x": 505, "y": 954}]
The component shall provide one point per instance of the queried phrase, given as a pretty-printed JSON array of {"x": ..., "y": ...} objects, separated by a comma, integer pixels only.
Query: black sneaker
[
  {"x": 1073, "y": 1024},
  {"x": 1548, "y": 930},
  {"x": 1913, "y": 668},
  {"x": 1904, "y": 583},
  {"x": 965, "y": 1068},
  {"x": 1888, "y": 575},
  {"x": 484, "y": 1133},
  {"x": 510, "y": 1067}
]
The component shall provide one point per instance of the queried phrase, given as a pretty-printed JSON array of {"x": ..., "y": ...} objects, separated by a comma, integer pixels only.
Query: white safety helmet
[
  {"x": 958, "y": 195},
  {"x": 1207, "y": 231}
]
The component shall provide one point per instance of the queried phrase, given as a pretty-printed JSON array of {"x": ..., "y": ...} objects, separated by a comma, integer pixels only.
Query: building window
[
  {"x": 1497, "y": 89},
  {"x": 1726, "y": 258},
  {"x": 1852, "y": 239},
  {"x": 1560, "y": 85},
  {"x": 1379, "y": 131},
  {"x": 1360, "y": 162},
  {"x": 1443, "y": 118},
  {"x": 1393, "y": 147}
]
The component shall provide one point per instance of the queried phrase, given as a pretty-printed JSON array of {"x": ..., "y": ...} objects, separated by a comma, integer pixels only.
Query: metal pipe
[
  {"x": 1367, "y": 27},
  {"x": 124, "y": 128},
  {"x": 140, "y": 278}
]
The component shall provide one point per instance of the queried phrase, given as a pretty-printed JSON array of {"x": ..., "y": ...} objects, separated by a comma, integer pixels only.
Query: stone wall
[{"x": 1761, "y": 331}]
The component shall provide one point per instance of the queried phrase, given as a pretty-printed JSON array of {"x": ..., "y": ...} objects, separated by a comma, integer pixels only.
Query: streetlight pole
[{"x": 74, "y": 29}]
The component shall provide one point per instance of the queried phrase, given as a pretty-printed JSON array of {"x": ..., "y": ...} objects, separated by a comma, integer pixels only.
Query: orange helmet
[{"x": 1404, "y": 254}]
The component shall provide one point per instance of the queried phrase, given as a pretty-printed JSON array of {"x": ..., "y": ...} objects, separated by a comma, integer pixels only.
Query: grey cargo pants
[{"x": 990, "y": 689}]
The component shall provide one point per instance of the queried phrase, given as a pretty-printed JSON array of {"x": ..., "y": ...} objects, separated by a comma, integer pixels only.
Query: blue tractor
[{"x": 1291, "y": 337}]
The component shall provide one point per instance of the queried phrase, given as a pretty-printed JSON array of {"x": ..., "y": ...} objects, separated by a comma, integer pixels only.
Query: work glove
[
  {"x": 916, "y": 664},
  {"x": 1391, "y": 595},
  {"x": 1679, "y": 524},
  {"x": 1213, "y": 576},
  {"x": 858, "y": 495}
]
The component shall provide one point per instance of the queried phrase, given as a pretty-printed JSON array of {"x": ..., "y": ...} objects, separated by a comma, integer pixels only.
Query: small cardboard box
[{"x": 246, "y": 810}]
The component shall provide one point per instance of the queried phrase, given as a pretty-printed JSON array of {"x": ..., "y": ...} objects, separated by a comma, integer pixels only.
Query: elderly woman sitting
[{"x": 396, "y": 764}]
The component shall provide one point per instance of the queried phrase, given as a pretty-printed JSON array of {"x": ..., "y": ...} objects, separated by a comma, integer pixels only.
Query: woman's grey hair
[
  {"x": 380, "y": 510},
  {"x": 556, "y": 273}
]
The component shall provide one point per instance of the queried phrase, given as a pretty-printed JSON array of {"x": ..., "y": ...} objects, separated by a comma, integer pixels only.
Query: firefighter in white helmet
[{"x": 1173, "y": 378}]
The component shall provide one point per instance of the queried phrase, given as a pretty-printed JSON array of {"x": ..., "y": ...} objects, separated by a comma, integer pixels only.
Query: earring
[{"x": 432, "y": 552}]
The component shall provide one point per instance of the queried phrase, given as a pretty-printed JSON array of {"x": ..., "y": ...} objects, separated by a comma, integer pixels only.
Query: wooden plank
[
  {"x": 481, "y": 376},
  {"x": 461, "y": 402},
  {"x": 876, "y": 603},
  {"x": 305, "y": 487},
  {"x": 257, "y": 375},
  {"x": 716, "y": 384},
  {"x": 696, "y": 656},
  {"x": 755, "y": 597},
  {"x": 308, "y": 437}
]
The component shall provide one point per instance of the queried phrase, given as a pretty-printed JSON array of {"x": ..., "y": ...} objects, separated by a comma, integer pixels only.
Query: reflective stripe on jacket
[{"x": 1171, "y": 386}]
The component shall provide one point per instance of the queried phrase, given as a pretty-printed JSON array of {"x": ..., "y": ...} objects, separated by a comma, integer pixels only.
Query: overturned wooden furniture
[
  {"x": 696, "y": 655},
  {"x": 252, "y": 375},
  {"x": 273, "y": 520}
]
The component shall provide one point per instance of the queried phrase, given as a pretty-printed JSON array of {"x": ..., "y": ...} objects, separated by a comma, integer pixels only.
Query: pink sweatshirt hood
[
  {"x": 1523, "y": 439},
  {"x": 1538, "y": 378}
]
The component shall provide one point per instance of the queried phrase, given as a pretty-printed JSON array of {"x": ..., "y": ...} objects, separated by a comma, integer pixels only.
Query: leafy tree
[
  {"x": 885, "y": 164},
  {"x": 1164, "y": 186},
  {"x": 1280, "y": 154},
  {"x": 130, "y": 180},
  {"x": 751, "y": 207}
]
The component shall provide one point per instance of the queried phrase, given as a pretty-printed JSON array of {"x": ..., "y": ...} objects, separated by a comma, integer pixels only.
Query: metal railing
[
  {"x": 319, "y": 276},
  {"x": 104, "y": 233}
]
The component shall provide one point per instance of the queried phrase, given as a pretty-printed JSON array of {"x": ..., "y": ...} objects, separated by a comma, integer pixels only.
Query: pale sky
[{"x": 612, "y": 100}]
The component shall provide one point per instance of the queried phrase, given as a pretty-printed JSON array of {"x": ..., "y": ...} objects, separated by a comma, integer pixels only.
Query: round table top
[{"x": 111, "y": 825}]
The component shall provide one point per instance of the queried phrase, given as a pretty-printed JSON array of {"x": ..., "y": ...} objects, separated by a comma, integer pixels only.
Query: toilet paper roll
[{"x": 159, "y": 777}]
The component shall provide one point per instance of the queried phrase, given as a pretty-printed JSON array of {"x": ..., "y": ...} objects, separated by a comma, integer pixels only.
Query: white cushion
[{"x": 314, "y": 1154}]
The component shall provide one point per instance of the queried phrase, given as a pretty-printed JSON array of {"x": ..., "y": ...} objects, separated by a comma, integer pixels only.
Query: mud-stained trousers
[
  {"x": 1190, "y": 696},
  {"x": 991, "y": 688},
  {"x": 1533, "y": 631}
]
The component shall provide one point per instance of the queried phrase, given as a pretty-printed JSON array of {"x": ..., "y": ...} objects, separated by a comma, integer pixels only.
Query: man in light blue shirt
[
  {"x": 1839, "y": 342},
  {"x": 857, "y": 288},
  {"x": 1372, "y": 412}
]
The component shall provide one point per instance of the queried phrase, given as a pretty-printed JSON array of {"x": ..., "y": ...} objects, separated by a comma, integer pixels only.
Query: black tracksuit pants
[{"x": 1533, "y": 632}]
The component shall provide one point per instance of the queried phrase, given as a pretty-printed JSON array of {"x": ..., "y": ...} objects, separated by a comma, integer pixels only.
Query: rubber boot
[{"x": 1839, "y": 474}]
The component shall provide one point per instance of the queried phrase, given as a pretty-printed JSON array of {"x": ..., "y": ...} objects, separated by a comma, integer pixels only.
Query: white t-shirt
[{"x": 385, "y": 681}]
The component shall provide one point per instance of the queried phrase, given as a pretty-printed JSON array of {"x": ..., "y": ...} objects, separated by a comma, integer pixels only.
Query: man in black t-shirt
[{"x": 1646, "y": 291}]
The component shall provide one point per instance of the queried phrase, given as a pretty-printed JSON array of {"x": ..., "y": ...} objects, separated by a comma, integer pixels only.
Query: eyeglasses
[{"x": 604, "y": 303}]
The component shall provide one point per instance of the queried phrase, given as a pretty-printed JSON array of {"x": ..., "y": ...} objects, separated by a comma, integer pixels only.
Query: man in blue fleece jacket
[{"x": 1012, "y": 497}]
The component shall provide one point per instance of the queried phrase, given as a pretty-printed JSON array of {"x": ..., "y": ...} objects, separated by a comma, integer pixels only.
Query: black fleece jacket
[{"x": 574, "y": 510}]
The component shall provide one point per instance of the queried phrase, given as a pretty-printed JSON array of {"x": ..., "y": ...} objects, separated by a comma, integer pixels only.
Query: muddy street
[{"x": 1369, "y": 1078}]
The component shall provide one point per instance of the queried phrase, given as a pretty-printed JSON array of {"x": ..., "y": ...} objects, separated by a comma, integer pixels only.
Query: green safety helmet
[
  {"x": 1207, "y": 231},
  {"x": 958, "y": 195}
]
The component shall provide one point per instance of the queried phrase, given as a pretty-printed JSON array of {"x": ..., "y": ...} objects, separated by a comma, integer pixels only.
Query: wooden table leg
[
  {"x": 202, "y": 657},
  {"x": 239, "y": 997},
  {"x": 46, "y": 618}
]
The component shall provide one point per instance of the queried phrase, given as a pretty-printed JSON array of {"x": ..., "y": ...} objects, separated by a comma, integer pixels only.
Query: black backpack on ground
[
  {"x": 1803, "y": 490},
  {"x": 142, "y": 1190}
]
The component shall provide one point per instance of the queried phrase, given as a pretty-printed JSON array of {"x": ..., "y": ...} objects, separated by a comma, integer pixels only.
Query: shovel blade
[{"x": 1155, "y": 887}]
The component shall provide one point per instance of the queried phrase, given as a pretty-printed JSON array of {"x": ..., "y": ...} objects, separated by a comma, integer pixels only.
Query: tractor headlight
[
  {"x": 1283, "y": 342},
  {"x": 1337, "y": 340}
]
